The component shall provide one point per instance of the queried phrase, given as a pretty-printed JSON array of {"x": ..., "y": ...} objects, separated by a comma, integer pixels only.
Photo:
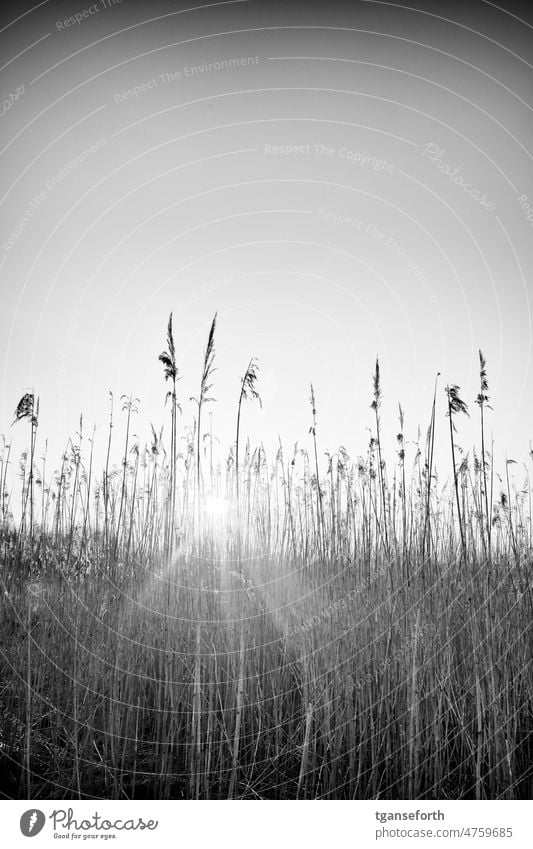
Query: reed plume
[
  {"x": 168, "y": 358},
  {"x": 455, "y": 406},
  {"x": 248, "y": 390},
  {"x": 203, "y": 398}
]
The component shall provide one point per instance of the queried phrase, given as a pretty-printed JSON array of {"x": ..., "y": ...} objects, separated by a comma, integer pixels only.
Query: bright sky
[{"x": 338, "y": 183}]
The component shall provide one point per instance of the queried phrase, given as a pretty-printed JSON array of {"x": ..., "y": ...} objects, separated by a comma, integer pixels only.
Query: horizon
[{"x": 95, "y": 435}]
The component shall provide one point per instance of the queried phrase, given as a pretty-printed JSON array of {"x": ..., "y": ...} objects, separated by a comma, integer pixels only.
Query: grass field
[{"x": 268, "y": 626}]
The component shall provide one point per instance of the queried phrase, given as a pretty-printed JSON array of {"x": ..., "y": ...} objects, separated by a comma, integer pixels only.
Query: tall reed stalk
[
  {"x": 482, "y": 401},
  {"x": 203, "y": 398},
  {"x": 375, "y": 405},
  {"x": 455, "y": 406},
  {"x": 168, "y": 358},
  {"x": 248, "y": 390}
]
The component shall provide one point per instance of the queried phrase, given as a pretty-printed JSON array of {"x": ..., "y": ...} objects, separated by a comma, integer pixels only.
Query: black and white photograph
[{"x": 266, "y": 434}]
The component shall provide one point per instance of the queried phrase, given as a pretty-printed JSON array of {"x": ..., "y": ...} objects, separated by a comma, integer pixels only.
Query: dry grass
[{"x": 356, "y": 636}]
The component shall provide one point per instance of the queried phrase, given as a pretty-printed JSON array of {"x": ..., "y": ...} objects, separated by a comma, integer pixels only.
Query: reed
[{"x": 316, "y": 631}]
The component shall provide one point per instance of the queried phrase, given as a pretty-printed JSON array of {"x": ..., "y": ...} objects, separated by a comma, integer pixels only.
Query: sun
[{"x": 215, "y": 506}]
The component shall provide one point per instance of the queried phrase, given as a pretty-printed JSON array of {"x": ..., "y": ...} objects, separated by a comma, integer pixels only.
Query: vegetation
[{"x": 269, "y": 630}]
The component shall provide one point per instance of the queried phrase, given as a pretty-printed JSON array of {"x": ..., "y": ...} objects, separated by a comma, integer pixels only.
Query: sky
[{"x": 338, "y": 182}]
